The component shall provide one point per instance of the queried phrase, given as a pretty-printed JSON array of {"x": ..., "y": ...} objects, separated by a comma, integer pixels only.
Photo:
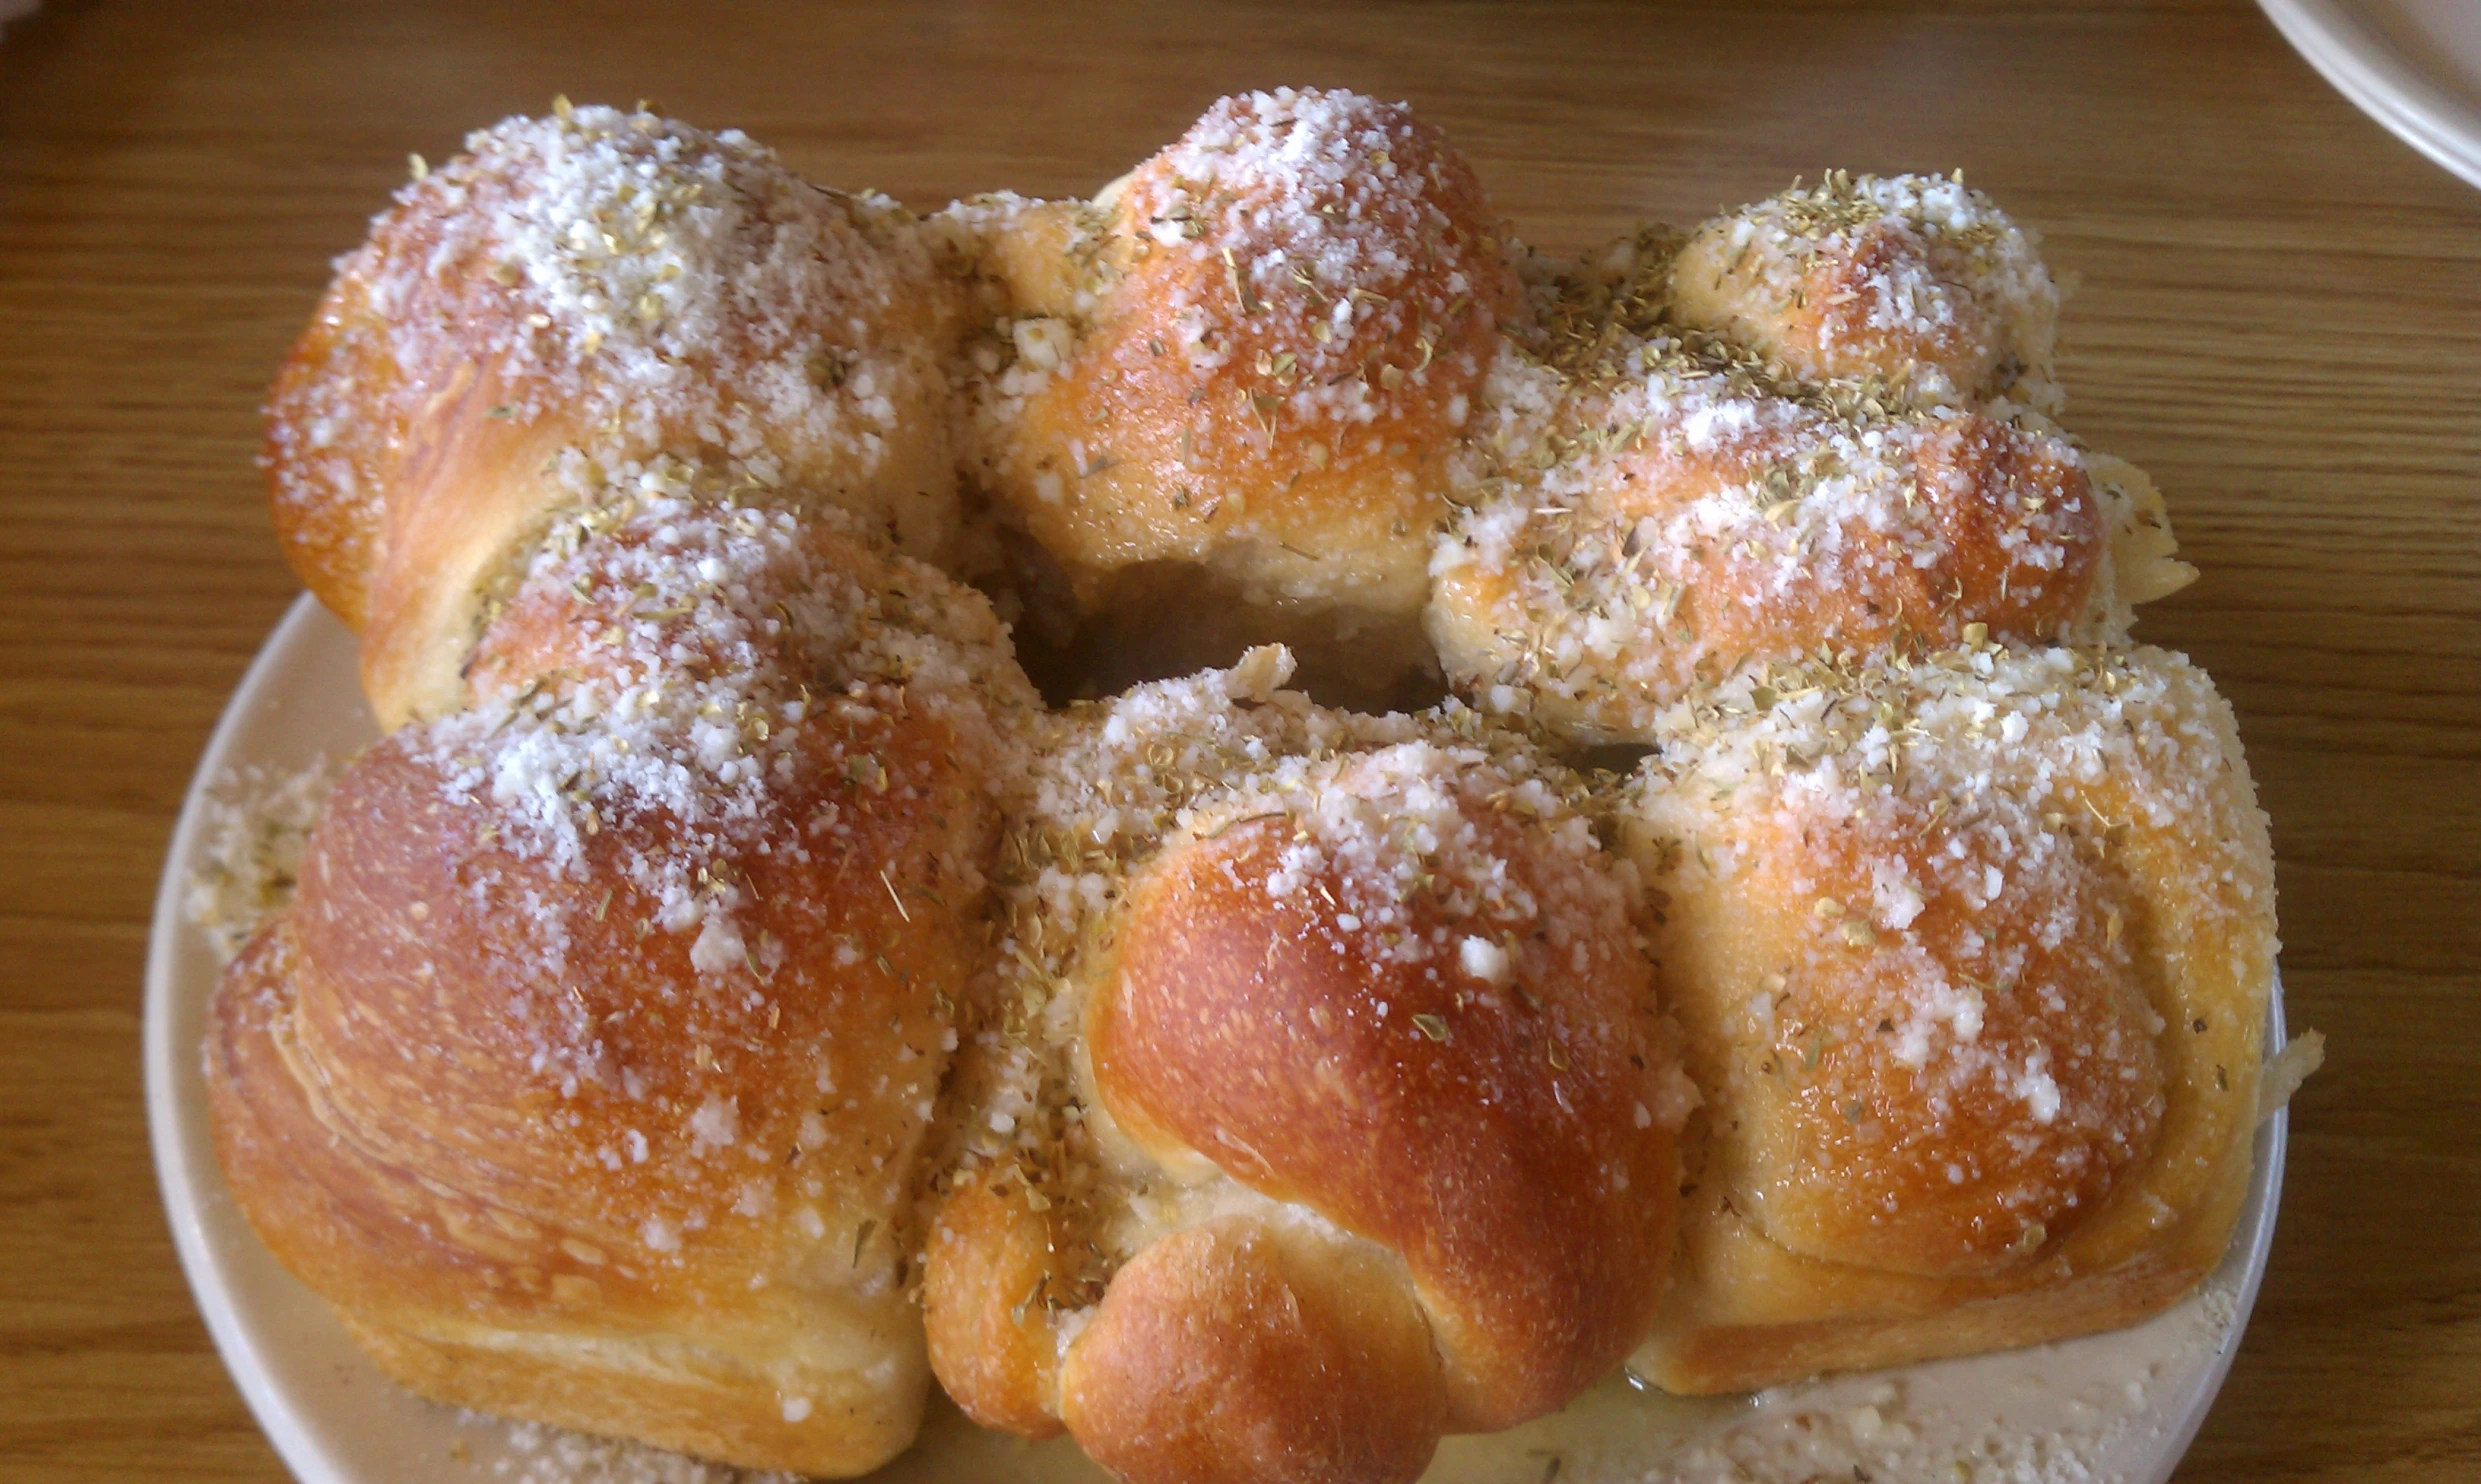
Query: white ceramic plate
[
  {"x": 2120, "y": 1406},
  {"x": 2413, "y": 65}
]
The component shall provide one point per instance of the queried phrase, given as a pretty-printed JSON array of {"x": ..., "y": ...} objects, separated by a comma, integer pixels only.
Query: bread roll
[
  {"x": 588, "y": 1075},
  {"x": 726, "y": 951},
  {"x": 1242, "y": 1351},
  {"x": 572, "y": 298},
  {"x": 1973, "y": 961},
  {"x": 1648, "y": 504},
  {"x": 1913, "y": 284},
  {"x": 1249, "y": 359},
  {"x": 1319, "y": 1045}
]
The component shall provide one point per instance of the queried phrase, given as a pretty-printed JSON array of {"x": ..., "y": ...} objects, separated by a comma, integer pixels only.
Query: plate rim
[
  {"x": 2381, "y": 82},
  {"x": 313, "y": 1458},
  {"x": 178, "y": 1180}
]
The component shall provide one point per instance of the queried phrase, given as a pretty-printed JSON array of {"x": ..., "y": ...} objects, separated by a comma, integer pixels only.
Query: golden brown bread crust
[
  {"x": 1231, "y": 1353},
  {"x": 572, "y": 298},
  {"x": 325, "y": 474},
  {"x": 1709, "y": 534},
  {"x": 1290, "y": 312},
  {"x": 476, "y": 1299},
  {"x": 1826, "y": 329},
  {"x": 1995, "y": 1084},
  {"x": 1843, "y": 1143},
  {"x": 1753, "y": 1315},
  {"x": 588, "y": 1073},
  {"x": 1660, "y": 485},
  {"x": 1912, "y": 284},
  {"x": 1354, "y": 1058},
  {"x": 560, "y": 1239},
  {"x": 990, "y": 1264},
  {"x": 1495, "y": 1132}
]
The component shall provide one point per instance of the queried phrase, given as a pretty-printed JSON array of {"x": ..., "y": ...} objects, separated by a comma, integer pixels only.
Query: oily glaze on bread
[
  {"x": 1239, "y": 1350},
  {"x": 1911, "y": 285}
]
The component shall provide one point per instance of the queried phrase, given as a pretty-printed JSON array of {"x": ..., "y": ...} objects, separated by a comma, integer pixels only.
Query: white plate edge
[
  {"x": 2368, "y": 70},
  {"x": 306, "y": 1455},
  {"x": 2261, "y": 1210}
]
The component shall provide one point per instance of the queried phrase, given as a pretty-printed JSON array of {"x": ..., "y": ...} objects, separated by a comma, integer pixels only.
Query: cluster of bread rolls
[{"x": 731, "y": 996}]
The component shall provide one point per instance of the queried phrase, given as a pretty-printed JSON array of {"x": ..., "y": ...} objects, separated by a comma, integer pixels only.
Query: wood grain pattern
[{"x": 2281, "y": 317}]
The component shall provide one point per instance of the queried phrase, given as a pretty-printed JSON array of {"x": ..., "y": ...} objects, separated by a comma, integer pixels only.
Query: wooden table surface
[{"x": 2280, "y": 316}]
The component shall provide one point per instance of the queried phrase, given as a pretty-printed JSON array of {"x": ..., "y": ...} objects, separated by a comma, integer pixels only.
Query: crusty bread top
[
  {"x": 1408, "y": 992},
  {"x": 1916, "y": 284},
  {"x": 1281, "y": 325},
  {"x": 572, "y": 297},
  {"x": 1947, "y": 921},
  {"x": 603, "y": 1035},
  {"x": 716, "y": 789}
]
